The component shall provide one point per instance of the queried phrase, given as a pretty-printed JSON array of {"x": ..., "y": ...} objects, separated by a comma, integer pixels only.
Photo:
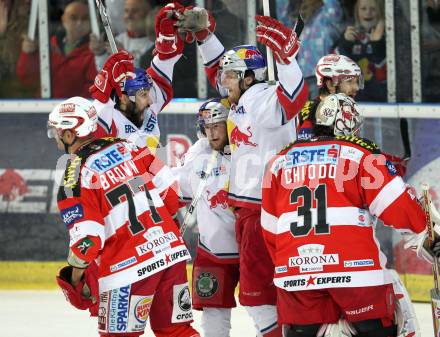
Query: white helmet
[
  {"x": 76, "y": 114},
  {"x": 341, "y": 111},
  {"x": 337, "y": 68}
]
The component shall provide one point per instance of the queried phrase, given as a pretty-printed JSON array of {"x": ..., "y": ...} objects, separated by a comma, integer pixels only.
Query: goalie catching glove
[
  {"x": 196, "y": 23},
  {"x": 84, "y": 296},
  {"x": 282, "y": 40},
  {"x": 116, "y": 69}
]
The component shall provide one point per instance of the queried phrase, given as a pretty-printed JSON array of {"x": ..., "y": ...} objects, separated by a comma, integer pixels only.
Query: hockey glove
[
  {"x": 281, "y": 40},
  {"x": 116, "y": 69},
  {"x": 168, "y": 41},
  {"x": 196, "y": 23},
  {"x": 85, "y": 294}
]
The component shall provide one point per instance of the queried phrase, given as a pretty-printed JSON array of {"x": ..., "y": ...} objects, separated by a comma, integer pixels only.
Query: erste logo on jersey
[
  {"x": 109, "y": 158},
  {"x": 309, "y": 155}
]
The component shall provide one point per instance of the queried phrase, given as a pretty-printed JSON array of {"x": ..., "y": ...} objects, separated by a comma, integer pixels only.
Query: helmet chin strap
[{"x": 66, "y": 146}]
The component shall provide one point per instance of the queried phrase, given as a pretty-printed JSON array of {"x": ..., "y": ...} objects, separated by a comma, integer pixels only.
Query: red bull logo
[
  {"x": 12, "y": 185},
  {"x": 220, "y": 198},
  {"x": 238, "y": 137},
  {"x": 246, "y": 54},
  {"x": 250, "y": 53}
]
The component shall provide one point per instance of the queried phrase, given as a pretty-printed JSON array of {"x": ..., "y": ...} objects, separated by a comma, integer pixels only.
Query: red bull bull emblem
[
  {"x": 238, "y": 137},
  {"x": 250, "y": 54},
  {"x": 220, "y": 198}
]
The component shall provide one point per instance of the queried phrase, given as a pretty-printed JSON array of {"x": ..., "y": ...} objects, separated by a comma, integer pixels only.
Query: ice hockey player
[
  {"x": 261, "y": 121},
  {"x": 340, "y": 74},
  {"x": 118, "y": 201},
  {"x": 315, "y": 192},
  {"x": 215, "y": 268},
  {"x": 337, "y": 74},
  {"x": 131, "y": 112}
]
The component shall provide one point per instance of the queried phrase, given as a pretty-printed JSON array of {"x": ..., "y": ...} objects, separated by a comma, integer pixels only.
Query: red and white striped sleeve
[
  {"x": 387, "y": 195},
  {"x": 292, "y": 89},
  {"x": 161, "y": 71},
  {"x": 269, "y": 210}
]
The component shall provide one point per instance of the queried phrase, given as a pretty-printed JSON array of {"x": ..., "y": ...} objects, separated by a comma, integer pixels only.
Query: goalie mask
[
  {"x": 76, "y": 114},
  {"x": 212, "y": 111},
  {"x": 341, "y": 112},
  {"x": 337, "y": 68},
  {"x": 242, "y": 58}
]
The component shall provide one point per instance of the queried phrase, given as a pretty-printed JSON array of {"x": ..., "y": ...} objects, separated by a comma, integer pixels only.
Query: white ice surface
[{"x": 47, "y": 314}]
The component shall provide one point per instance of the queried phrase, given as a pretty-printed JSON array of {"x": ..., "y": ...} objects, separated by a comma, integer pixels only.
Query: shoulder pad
[
  {"x": 362, "y": 142},
  {"x": 287, "y": 147},
  {"x": 71, "y": 183}
]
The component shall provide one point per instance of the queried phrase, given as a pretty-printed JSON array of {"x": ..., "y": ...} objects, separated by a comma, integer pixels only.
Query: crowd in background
[{"x": 353, "y": 28}]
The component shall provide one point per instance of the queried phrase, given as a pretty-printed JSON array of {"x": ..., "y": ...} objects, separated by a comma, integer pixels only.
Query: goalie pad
[
  {"x": 405, "y": 316},
  {"x": 340, "y": 329},
  {"x": 84, "y": 296}
]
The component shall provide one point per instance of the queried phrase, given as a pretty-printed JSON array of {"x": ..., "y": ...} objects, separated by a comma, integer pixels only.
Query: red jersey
[
  {"x": 117, "y": 202},
  {"x": 319, "y": 200}
]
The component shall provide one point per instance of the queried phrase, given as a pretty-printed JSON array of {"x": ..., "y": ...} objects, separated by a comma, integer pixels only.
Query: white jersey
[
  {"x": 262, "y": 123},
  {"x": 112, "y": 122},
  {"x": 215, "y": 219}
]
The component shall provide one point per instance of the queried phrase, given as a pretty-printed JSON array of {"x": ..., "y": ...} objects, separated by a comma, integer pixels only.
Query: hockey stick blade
[{"x": 404, "y": 133}]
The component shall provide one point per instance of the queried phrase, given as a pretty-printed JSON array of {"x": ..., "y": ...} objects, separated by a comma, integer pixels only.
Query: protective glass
[
  {"x": 51, "y": 131},
  {"x": 228, "y": 76}
]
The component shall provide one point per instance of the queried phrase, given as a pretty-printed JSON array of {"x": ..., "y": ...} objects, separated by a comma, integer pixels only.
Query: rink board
[{"x": 32, "y": 230}]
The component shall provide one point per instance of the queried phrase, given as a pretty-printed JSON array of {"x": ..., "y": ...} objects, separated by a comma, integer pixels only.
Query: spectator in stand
[
  {"x": 364, "y": 42},
  {"x": 13, "y": 24},
  {"x": 72, "y": 63},
  {"x": 431, "y": 51},
  {"x": 138, "y": 39},
  {"x": 323, "y": 27}
]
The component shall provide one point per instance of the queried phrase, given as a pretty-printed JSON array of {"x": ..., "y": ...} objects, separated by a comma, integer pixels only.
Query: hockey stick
[
  {"x": 404, "y": 133},
  {"x": 93, "y": 19},
  {"x": 270, "y": 66},
  {"x": 199, "y": 191},
  {"x": 106, "y": 23},
  {"x": 435, "y": 294},
  {"x": 32, "y": 26}
]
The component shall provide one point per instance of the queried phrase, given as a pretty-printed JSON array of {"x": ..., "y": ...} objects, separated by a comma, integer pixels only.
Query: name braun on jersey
[{"x": 111, "y": 176}]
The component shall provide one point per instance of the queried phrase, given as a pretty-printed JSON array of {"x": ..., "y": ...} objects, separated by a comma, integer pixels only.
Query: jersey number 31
[{"x": 320, "y": 194}]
